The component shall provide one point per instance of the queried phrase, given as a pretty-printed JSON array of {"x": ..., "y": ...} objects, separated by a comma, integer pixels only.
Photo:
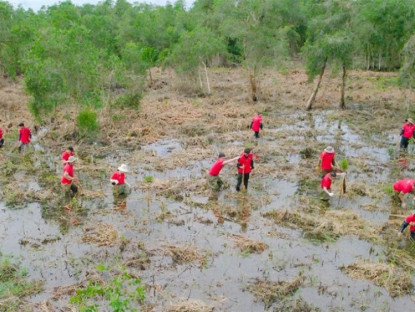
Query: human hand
[
  {"x": 403, "y": 205},
  {"x": 331, "y": 194},
  {"x": 399, "y": 234}
]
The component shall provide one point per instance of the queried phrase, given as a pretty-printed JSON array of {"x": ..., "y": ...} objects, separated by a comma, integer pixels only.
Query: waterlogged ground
[{"x": 195, "y": 251}]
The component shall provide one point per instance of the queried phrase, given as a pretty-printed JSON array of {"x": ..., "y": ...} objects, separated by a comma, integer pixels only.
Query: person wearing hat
[
  {"x": 410, "y": 220},
  {"x": 245, "y": 166},
  {"x": 215, "y": 181},
  {"x": 403, "y": 187},
  {"x": 68, "y": 176},
  {"x": 326, "y": 161},
  {"x": 256, "y": 124},
  {"x": 67, "y": 153},
  {"x": 118, "y": 180},
  {"x": 24, "y": 136},
  {"x": 327, "y": 180},
  {"x": 407, "y": 132}
]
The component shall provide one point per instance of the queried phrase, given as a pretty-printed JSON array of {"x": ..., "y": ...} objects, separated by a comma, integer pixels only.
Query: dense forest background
[{"x": 93, "y": 56}]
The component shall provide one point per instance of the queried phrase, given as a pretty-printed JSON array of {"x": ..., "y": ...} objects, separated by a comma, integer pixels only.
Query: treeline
[{"x": 96, "y": 55}]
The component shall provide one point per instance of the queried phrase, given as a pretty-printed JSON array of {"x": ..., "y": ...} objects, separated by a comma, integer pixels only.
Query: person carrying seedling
[
  {"x": 67, "y": 153},
  {"x": 215, "y": 181},
  {"x": 326, "y": 162},
  {"x": 328, "y": 179},
  {"x": 118, "y": 180},
  {"x": 256, "y": 124},
  {"x": 68, "y": 177},
  {"x": 24, "y": 136},
  {"x": 403, "y": 187},
  {"x": 410, "y": 220},
  {"x": 407, "y": 132},
  {"x": 245, "y": 166}
]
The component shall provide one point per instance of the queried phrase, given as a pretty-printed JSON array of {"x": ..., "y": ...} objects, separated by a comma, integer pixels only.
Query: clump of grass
[
  {"x": 183, "y": 305},
  {"x": 15, "y": 285},
  {"x": 270, "y": 292},
  {"x": 344, "y": 164},
  {"x": 148, "y": 179},
  {"x": 396, "y": 281},
  {"x": 246, "y": 244},
  {"x": 296, "y": 305},
  {"x": 306, "y": 153}
]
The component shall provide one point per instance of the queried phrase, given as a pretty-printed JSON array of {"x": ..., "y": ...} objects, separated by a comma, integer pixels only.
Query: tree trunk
[
  {"x": 342, "y": 105},
  {"x": 207, "y": 77},
  {"x": 313, "y": 95},
  {"x": 254, "y": 87}
]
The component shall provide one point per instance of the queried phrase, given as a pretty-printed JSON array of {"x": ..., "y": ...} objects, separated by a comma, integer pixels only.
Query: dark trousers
[
  {"x": 245, "y": 178},
  {"x": 256, "y": 134},
  {"x": 404, "y": 142}
]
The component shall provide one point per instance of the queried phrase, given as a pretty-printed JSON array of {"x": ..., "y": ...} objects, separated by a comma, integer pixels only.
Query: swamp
[{"x": 172, "y": 244}]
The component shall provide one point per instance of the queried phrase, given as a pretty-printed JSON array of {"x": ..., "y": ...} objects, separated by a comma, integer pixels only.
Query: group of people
[{"x": 244, "y": 165}]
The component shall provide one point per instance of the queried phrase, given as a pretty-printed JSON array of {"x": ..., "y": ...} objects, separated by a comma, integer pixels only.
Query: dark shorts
[{"x": 404, "y": 142}]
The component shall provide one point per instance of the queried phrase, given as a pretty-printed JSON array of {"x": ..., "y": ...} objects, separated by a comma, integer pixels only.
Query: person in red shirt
[
  {"x": 327, "y": 180},
  {"x": 407, "y": 132},
  {"x": 1, "y": 138},
  {"x": 214, "y": 180},
  {"x": 410, "y": 220},
  {"x": 68, "y": 177},
  {"x": 327, "y": 163},
  {"x": 24, "y": 136},
  {"x": 256, "y": 124},
  {"x": 118, "y": 180},
  {"x": 245, "y": 166},
  {"x": 67, "y": 153},
  {"x": 403, "y": 187}
]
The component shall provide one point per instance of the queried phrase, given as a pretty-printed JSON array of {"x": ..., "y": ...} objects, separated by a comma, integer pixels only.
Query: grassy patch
[{"x": 15, "y": 285}]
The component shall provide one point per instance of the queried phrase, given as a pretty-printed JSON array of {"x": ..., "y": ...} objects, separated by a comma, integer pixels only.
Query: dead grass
[
  {"x": 246, "y": 244},
  {"x": 396, "y": 281},
  {"x": 101, "y": 234},
  {"x": 181, "y": 254},
  {"x": 331, "y": 225},
  {"x": 184, "y": 305},
  {"x": 269, "y": 292}
]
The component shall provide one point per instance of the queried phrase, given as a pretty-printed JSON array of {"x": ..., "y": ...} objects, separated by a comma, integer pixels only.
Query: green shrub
[{"x": 87, "y": 123}]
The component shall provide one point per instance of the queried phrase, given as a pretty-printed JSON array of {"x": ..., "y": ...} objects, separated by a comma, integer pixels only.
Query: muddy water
[{"x": 60, "y": 257}]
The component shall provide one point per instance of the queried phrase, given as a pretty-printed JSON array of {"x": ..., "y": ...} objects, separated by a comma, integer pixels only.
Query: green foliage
[
  {"x": 344, "y": 164},
  {"x": 148, "y": 179},
  {"x": 87, "y": 123},
  {"x": 14, "y": 283},
  {"x": 122, "y": 292}
]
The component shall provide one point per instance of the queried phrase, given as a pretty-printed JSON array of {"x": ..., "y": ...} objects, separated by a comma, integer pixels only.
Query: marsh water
[{"x": 50, "y": 245}]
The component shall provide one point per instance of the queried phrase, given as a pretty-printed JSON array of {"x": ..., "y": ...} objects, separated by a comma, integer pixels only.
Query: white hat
[
  {"x": 123, "y": 168},
  {"x": 329, "y": 149},
  {"x": 71, "y": 159}
]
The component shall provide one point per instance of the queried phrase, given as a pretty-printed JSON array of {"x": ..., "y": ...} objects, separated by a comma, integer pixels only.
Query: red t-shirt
[
  {"x": 69, "y": 169},
  {"x": 245, "y": 163},
  {"x": 256, "y": 122},
  {"x": 217, "y": 167},
  {"x": 410, "y": 219},
  {"x": 1, "y": 134},
  {"x": 326, "y": 160},
  {"x": 404, "y": 186},
  {"x": 24, "y": 135},
  {"x": 119, "y": 176},
  {"x": 408, "y": 130},
  {"x": 326, "y": 181},
  {"x": 66, "y": 155}
]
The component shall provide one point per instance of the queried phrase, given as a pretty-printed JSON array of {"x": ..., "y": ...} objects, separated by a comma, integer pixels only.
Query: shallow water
[{"x": 60, "y": 257}]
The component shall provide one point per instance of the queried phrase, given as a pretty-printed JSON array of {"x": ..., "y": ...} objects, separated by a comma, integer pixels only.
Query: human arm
[
  {"x": 401, "y": 132},
  {"x": 67, "y": 176},
  {"x": 328, "y": 192},
  {"x": 230, "y": 160},
  {"x": 250, "y": 126},
  {"x": 402, "y": 227},
  {"x": 261, "y": 125}
]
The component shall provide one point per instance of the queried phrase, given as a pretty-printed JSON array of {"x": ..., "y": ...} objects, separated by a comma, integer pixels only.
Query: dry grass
[
  {"x": 269, "y": 292},
  {"x": 184, "y": 305},
  {"x": 181, "y": 254},
  {"x": 101, "y": 234},
  {"x": 331, "y": 225},
  {"x": 246, "y": 244},
  {"x": 396, "y": 281}
]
